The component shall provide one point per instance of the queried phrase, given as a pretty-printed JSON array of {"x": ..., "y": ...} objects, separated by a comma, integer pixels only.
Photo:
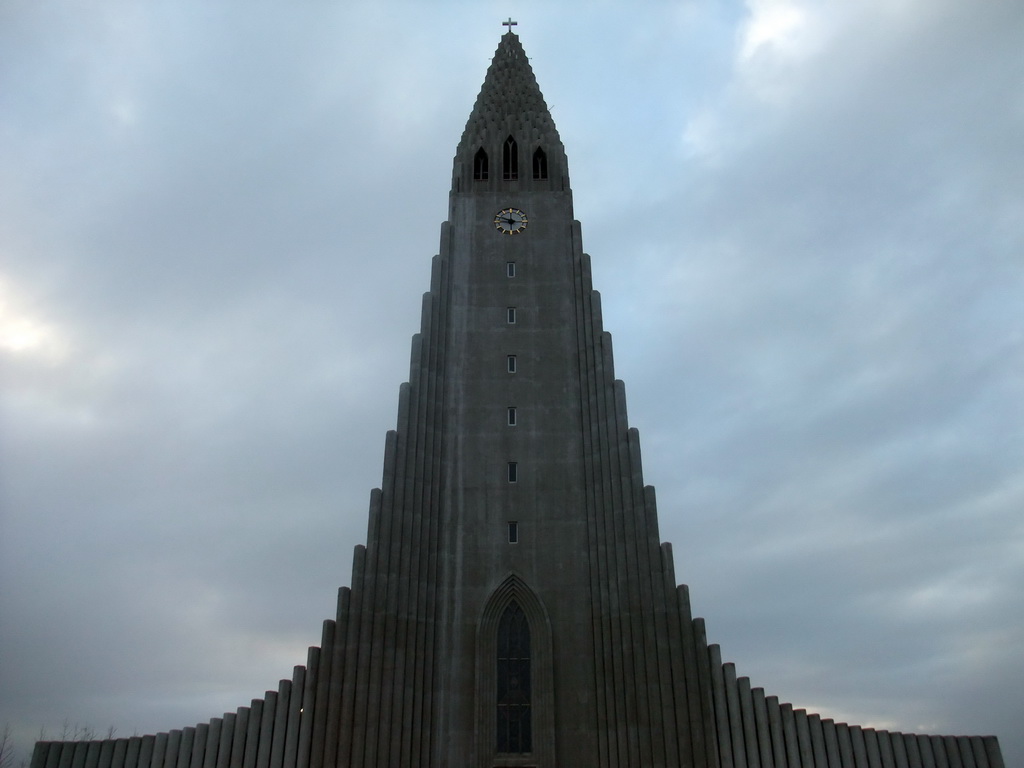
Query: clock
[{"x": 510, "y": 221}]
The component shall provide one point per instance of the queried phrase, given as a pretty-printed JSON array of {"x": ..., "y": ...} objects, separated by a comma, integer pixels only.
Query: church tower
[
  {"x": 513, "y": 604},
  {"x": 513, "y": 557},
  {"x": 561, "y": 619}
]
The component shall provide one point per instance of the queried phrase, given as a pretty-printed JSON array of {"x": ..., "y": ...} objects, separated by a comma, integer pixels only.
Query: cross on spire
[{"x": 510, "y": 23}]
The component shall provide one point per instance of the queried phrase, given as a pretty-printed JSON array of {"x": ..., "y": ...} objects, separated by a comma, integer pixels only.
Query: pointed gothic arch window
[
  {"x": 514, "y": 730},
  {"x": 515, "y": 700},
  {"x": 540, "y": 164},
  {"x": 510, "y": 160},
  {"x": 480, "y": 165}
]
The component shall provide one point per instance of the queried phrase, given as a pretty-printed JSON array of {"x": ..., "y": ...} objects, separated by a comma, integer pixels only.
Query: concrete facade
[{"x": 514, "y": 605}]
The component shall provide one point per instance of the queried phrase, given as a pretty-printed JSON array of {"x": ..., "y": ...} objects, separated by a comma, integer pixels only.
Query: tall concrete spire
[{"x": 510, "y": 101}]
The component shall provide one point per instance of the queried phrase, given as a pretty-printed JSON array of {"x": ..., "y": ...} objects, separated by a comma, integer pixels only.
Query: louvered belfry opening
[
  {"x": 480, "y": 165},
  {"x": 510, "y": 160}
]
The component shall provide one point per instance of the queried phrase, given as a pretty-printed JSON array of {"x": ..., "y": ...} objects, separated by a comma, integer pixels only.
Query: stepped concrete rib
[{"x": 513, "y": 604}]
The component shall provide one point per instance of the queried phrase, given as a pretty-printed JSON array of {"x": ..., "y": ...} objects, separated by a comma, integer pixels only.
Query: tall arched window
[
  {"x": 515, "y": 696},
  {"x": 510, "y": 160},
  {"x": 540, "y": 164},
  {"x": 514, "y": 730},
  {"x": 480, "y": 165}
]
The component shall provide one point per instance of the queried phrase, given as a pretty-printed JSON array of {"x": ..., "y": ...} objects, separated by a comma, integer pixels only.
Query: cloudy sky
[{"x": 806, "y": 219}]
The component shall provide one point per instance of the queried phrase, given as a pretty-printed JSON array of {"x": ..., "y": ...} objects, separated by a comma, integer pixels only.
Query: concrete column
[
  {"x": 106, "y": 754},
  {"x": 860, "y": 753},
  {"x": 952, "y": 751},
  {"x": 847, "y": 759},
  {"x": 871, "y": 745},
  {"x": 170, "y": 752},
  {"x": 321, "y": 705},
  {"x": 924, "y": 745},
  {"x": 252, "y": 734},
  {"x": 687, "y": 724},
  {"x": 266, "y": 731},
  {"x": 899, "y": 750},
  {"x": 184, "y": 748},
  {"x": 368, "y": 668},
  {"x": 698, "y": 682},
  {"x": 719, "y": 698},
  {"x": 803, "y": 738},
  {"x": 67, "y": 753},
  {"x": 913, "y": 751},
  {"x": 291, "y": 739},
  {"x": 764, "y": 736},
  {"x": 831, "y": 736},
  {"x": 817, "y": 741},
  {"x": 978, "y": 746},
  {"x": 382, "y": 555},
  {"x": 281, "y": 709},
  {"x": 750, "y": 746},
  {"x": 633, "y": 648},
  {"x": 732, "y": 702},
  {"x": 606, "y": 578},
  {"x": 78, "y": 754},
  {"x": 995, "y": 756},
  {"x": 212, "y": 743},
  {"x": 308, "y": 701},
  {"x": 420, "y": 664},
  {"x": 421, "y": 747},
  {"x": 354, "y": 660},
  {"x": 227, "y": 739},
  {"x": 40, "y": 753},
  {"x": 779, "y": 759},
  {"x": 885, "y": 749},
  {"x": 131, "y": 759},
  {"x": 146, "y": 751},
  {"x": 615, "y": 574},
  {"x": 403, "y": 554},
  {"x": 789, "y": 736},
  {"x": 966, "y": 752},
  {"x": 239, "y": 737}
]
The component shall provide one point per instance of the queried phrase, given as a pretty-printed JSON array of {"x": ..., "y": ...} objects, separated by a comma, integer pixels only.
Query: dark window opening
[
  {"x": 540, "y": 164},
  {"x": 511, "y": 363},
  {"x": 514, "y": 726},
  {"x": 510, "y": 160},
  {"x": 513, "y": 472},
  {"x": 511, "y": 315},
  {"x": 480, "y": 165},
  {"x": 511, "y": 416},
  {"x": 513, "y": 532},
  {"x": 510, "y": 269}
]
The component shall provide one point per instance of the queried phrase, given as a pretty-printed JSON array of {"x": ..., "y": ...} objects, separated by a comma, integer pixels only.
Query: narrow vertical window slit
[
  {"x": 540, "y": 164},
  {"x": 510, "y": 160},
  {"x": 480, "y": 165}
]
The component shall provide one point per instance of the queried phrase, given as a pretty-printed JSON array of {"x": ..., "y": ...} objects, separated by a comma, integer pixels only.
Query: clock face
[{"x": 510, "y": 221}]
